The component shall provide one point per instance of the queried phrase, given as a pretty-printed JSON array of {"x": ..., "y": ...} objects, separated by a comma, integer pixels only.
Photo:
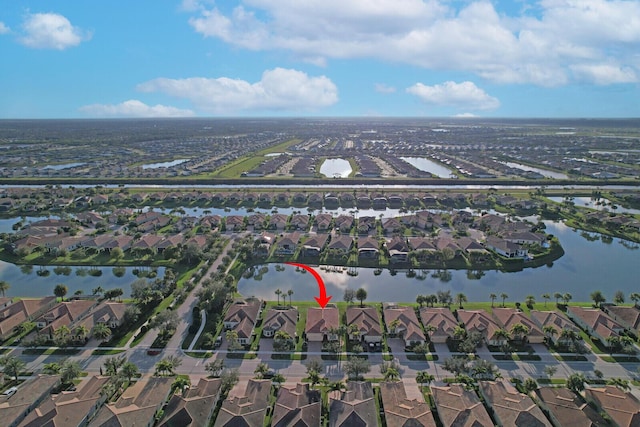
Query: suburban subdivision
[{"x": 144, "y": 288}]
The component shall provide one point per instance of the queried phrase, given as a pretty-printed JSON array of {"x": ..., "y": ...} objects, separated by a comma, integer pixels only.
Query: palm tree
[
  {"x": 391, "y": 374},
  {"x": 568, "y": 335},
  {"x": 420, "y": 299},
  {"x": 261, "y": 370},
  {"x": 12, "y": 366},
  {"x": 546, "y": 297},
  {"x": 129, "y": 370},
  {"x": 501, "y": 334},
  {"x": 620, "y": 383},
  {"x": 61, "y": 335},
  {"x": 493, "y": 298},
  {"x": 51, "y": 368},
  {"x": 619, "y": 297},
  {"x": 430, "y": 329},
  {"x": 566, "y": 298},
  {"x": 424, "y": 377},
  {"x": 4, "y": 287},
  {"x": 549, "y": 331},
  {"x": 519, "y": 332},
  {"x": 557, "y": 296},
  {"x": 278, "y": 293},
  {"x": 459, "y": 332},
  {"x": 101, "y": 332},
  {"x": 97, "y": 291},
  {"x": 180, "y": 383},
  {"x": 530, "y": 300},
  {"x": 290, "y": 292},
  {"x": 393, "y": 326},
  {"x": 461, "y": 298},
  {"x": 575, "y": 382},
  {"x": 635, "y": 297},
  {"x": 504, "y": 296},
  {"x": 82, "y": 332}
]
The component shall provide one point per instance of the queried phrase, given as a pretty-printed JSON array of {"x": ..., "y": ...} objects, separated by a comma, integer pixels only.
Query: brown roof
[
  {"x": 106, "y": 311},
  {"x": 64, "y": 314},
  {"x": 553, "y": 318},
  {"x": 195, "y": 407},
  {"x": 409, "y": 325},
  {"x": 510, "y": 316},
  {"x": 320, "y": 320},
  {"x": 441, "y": 318},
  {"x": 297, "y": 406},
  {"x": 478, "y": 321},
  {"x": 19, "y": 311},
  {"x": 511, "y": 407},
  {"x": 243, "y": 309},
  {"x": 629, "y": 316},
  {"x": 458, "y": 407},
  {"x": 597, "y": 320},
  {"x": 246, "y": 410},
  {"x": 354, "y": 407},
  {"x": 399, "y": 410},
  {"x": 366, "y": 318},
  {"x": 623, "y": 408},
  {"x": 137, "y": 405},
  {"x": 568, "y": 409},
  {"x": 341, "y": 242},
  {"x": 281, "y": 320}
]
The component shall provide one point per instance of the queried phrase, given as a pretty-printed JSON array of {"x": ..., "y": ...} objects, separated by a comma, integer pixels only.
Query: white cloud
[
  {"x": 541, "y": 47},
  {"x": 451, "y": 94},
  {"x": 51, "y": 31},
  {"x": 3, "y": 28},
  {"x": 383, "y": 88},
  {"x": 604, "y": 74},
  {"x": 134, "y": 108},
  {"x": 465, "y": 115},
  {"x": 278, "y": 89}
]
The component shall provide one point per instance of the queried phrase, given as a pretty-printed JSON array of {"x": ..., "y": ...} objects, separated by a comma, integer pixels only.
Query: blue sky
[{"x": 431, "y": 58}]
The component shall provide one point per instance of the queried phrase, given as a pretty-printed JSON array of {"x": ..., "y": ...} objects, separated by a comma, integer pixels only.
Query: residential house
[
  {"x": 248, "y": 409},
  {"x": 298, "y": 406},
  {"x": 366, "y": 224},
  {"x": 525, "y": 238},
  {"x": 262, "y": 244},
  {"x": 331, "y": 199},
  {"x": 391, "y": 225},
  {"x": 623, "y": 407},
  {"x": 234, "y": 222},
  {"x": 147, "y": 216},
  {"x": 368, "y": 322},
  {"x": 363, "y": 200},
  {"x": 442, "y": 319},
  {"x": 354, "y": 407},
  {"x": 194, "y": 407},
  {"x": 31, "y": 393},
  {"x": 320, "y": 323},
  {"x": 122, "y": 242},
  {"x": 257, "y": 221},
  {"x": 505, "y": 248},
  {"x": 278, "y": 221},
  {"x": 344, "y": 223},
  {"x": 508, "y": 317},
  {"x": 63, "y": 314},
  {"x": 280, "y": 320},
  {"x": 314, "y": 245},
  {"x": 287, "y": 244},
  {"x": 379, "y": 201},
  {"x": 460, "y": 407},
  {"x": 566, "y": 409},
  {"x": 300, "y": 222},
  {"x": 340, "y": 245},
  {"x": 107, "y": 312},
  {"x": 22, "y": 311},
  {"x": 407, "y": 324},
  {"x": 557, "y": 321},
  {"x": 423, "y": 247},
  {"x": 137, "y": 406},
  {"x": 368, "y": 247},
  {"x": 69, "y": 408},
  {"x": 323, "y": 221},
  {"x": 315, "y": 199},
  {"x": 510, "y": 407},
  {"x": 480, "y": 321},
  {"x": 398, "y": 250},
  {"x": 172, "y": 241},
  {"x": 242, "y": 316},
  {"x": 629, "y": 317},
  {"x": 399, "y": 411},
  {"x": 147, "y": 242},
  {"x": 265, "y": 198},
  {"x": 596, "y": 322}
]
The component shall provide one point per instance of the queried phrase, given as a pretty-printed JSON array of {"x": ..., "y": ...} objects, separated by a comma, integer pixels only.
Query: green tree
[
  {"x": 546, "y": 297},
  {"x": 278, "y": 293},
  {"x": 215, "y": 367},
  {"x": 550, "y": 370},
  {"x": 61, "y": 336},
  {"x": 12, "y": 366},
  {"x": 180, "y": 384},
  {"x": 290, "y": 292},
  {"x": 420, "y": 300},
  {"x": 566, "y": 297},
  {"x": 618, "y": 298},
  {"x": 635, "y": 297},
  {"x": 575, "y": 382},
  {"x": 129, "y": 370},
  {"x": 101, "y": 332},
  {"x": 597, "y": 298},
  {"x": 461, "y": 299},
  {"x": 229, "y": 378},
  {"x": 493, "y": 298},
  {"x": 349, "y": 296},
  {"x": 504, "y": 296},
  {"x": 424, "y": 377},
  {"x": 361, "y": 295},
  {"x": 519, "y": 332},
  {"x": 261, "y": 370},
  {"x": 97, "y": 291},
  {"x": 355, "y": 367},
  {"x": 557, "y": 296},
  {"x": 60, "y": 290},
  {"x": 530, "y": 300},
  {"x": 69, "y": 371},
  {"x": 51, "y": 368},
  {"x": 4, "y": 287},
  {"x": 113, "y": 364},
  {"x": 530, "y": 385}
]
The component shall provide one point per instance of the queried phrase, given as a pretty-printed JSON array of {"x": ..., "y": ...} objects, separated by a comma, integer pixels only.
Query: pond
[
  {"x": 164, "y": 164},
  {"x": 63, "y": 166},
  {"x": 590, "y": 263},
  {"x": 430, "y": 166},
  {"x": 600, "y": 205},
  {"x": 336, "y": 168},
  {"x": 544, "y": 172},
  {"x": 38, "y": 281}
]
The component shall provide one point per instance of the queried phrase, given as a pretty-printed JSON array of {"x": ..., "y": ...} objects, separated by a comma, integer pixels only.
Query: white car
[{"x": 10, "y": 391}]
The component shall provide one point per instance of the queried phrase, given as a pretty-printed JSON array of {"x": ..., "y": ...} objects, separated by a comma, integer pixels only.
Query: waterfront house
[
  {"x": 368, "y": 322},
  {"x": 398, "y": 249},
  {"x": 234, "y": 223},
  {"x": 623, "y": 407},
  {"x": 287, "y": 244},
  {"x": 629, "y": 317},
  {"x": 510, "y": 407},
  {"x": 323, "y": 221},
  {"x": 442, "y": 319},
  {"x": 63, "y": 314},
  {"x": 298, "y": 406},
  {"x": 368, "y": 247},
  {"x": 278, "y": 221},
  {"x": 480, "y": 321},
  {"x": 321, "y": 322},
  {"x": 506, "y": 248},
  {"x": 300, "y": 222},
  {"x": 314, "y": 245},
  {"x": 353, "y": 407},
  {"x": 557, "y": 321},
  {"x": 247, "y": 409},
  {"x": 341, "y": 245},
  {"x": 400, "y": 411},
  {"x": 407, "y": 326},
  {"x": 460, "y": 407},
  {"x": 107, "y": 312},
  {"x": 596, "y": 322},
  {"x": 508, "y": 317},
  {"x": 22, "y": 311}
]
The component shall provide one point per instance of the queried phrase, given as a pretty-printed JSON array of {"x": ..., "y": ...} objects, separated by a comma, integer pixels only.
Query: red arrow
[{"x": 323, "y": 299}]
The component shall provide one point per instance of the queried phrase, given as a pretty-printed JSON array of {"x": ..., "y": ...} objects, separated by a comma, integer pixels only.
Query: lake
[
  {"x": 26, "y": 281},
  {"x": 605, "y": 204},
  {"x": 336, "y": 168},
  {"x": 164, "y": 164},
  {"x": 589, "y": 264},
  {"x": 544, "y": 172},
  {"x": 430, "y": 166}
]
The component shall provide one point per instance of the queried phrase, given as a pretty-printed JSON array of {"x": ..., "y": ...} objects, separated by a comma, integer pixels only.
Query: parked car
[{"x": 10, "y": 391}]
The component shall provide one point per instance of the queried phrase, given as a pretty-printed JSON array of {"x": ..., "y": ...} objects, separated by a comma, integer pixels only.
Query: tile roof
[
  {"x": 400, "y": 411},
  {"x": 511, "y": 407},
  {"x": 460, "y": 407}
]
